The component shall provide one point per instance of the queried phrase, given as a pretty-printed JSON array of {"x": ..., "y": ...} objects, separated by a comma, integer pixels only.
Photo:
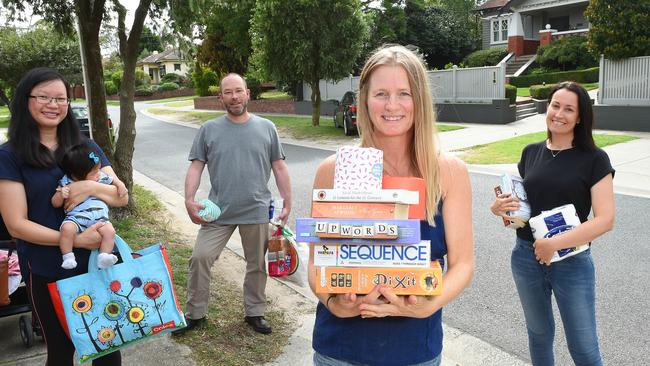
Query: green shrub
[
  {"x": 141, "y": 78},
  {"x": 168, "y": 86},
  {"x": 255, "y": 86},
  {"x": 580, "y": 76},
  {"x": 171, "y": 78},
  {"x": 143, "y": 91},
  {"x": 567, "y": 53},
  {"x": 203, "y": 79},
  {"x": 116, "y": 78},
  {"x": 487, "y": 57},
  {"x": 541, "y": 91},
  {"x": 511, "y": 93},
  {"x": 110, "y": 87},
  {"x": 214, "y": 89}
]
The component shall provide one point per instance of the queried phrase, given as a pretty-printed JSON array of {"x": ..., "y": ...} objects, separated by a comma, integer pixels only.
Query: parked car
[
  {"x": 345, "y": 115},
  {"x": 81, "y": 114}
]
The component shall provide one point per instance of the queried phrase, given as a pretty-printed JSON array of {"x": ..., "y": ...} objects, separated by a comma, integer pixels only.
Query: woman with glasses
[{"x": 41, "y": 129}]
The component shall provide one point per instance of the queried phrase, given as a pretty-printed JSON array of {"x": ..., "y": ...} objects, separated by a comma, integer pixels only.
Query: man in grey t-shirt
[{"x": 240, "y": 151}]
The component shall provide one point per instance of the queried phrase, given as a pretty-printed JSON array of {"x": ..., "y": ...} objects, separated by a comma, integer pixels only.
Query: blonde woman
[{"x": 381, "y": 328}]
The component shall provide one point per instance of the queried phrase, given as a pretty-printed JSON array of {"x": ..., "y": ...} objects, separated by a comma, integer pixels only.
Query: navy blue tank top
[{"x": 384, "y": 341}]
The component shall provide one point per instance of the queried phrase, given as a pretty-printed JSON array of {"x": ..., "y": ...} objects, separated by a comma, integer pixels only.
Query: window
[
  {"x": 177, "y": 67},
  {"x": 499, "y": 30},
  {"x": 163, "y": 70},
  {"x": 151, "y": 73}
]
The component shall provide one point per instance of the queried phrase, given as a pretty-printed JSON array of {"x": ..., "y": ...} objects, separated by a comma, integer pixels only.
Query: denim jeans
[
  {"x": 572, "y": 281},
  {"x": 322, "y": 360}
]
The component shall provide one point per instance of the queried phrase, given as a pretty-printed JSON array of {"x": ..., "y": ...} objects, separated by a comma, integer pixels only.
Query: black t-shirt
[
  {"x": 555, "y": 181},
  {"x": 40, "y": 184}
]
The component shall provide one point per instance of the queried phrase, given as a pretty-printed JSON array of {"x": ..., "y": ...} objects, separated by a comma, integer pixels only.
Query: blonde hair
[{"x": 424, "y": 149}]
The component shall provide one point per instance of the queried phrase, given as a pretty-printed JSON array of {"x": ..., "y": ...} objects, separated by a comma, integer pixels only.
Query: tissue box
[
  {"x": 410, "y": 281},
  {"x": 357, "y": 231},
  {"x": 358, "y": 168},
  {"x": 359, "y": 210},
  {"x": 373, "y": 255}
]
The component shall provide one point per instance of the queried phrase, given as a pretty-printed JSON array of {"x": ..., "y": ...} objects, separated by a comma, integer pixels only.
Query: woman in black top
[
  {"x": 566, "y": 168},
  {"x": 42, "y": 128}
]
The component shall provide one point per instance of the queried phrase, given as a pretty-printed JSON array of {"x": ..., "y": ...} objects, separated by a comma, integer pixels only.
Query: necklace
[
  {"x": 394, "y": 172},
  {"x": 554, "y": 154}
]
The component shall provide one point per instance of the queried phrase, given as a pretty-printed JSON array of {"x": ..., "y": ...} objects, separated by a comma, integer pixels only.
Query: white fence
[
  {"x": 471, "y": 85},
  {"x": 625, "y": 82}
]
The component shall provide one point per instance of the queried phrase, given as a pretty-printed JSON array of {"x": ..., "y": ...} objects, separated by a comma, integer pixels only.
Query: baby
[{"x": 81, "y": 163}]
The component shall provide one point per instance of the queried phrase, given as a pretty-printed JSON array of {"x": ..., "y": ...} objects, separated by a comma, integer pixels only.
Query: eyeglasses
[{"x": 44, "y": 99}]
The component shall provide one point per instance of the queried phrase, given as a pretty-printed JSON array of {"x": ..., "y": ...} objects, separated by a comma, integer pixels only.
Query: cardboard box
[
  {"x": 358, "y": 168},
  {"x": 410, "y": 184},
  {"x": 359, "y": 210},
  {"x": 373, "y": 255},
  {"x": 412, "y": 281},
  {"x": 357, "y": 231},
  {"x": 382, "y": 195}
]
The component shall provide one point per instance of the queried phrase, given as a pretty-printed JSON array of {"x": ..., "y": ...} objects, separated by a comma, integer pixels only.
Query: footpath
[{"x": 631, "y": 161}]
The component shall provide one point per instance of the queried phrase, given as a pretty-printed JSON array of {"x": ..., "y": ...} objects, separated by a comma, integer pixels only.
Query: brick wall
[{"x": 256, "y": 106}]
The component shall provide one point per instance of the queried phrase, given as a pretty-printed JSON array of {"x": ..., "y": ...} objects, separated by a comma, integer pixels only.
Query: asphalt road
[{"x": 490, "y": 308}]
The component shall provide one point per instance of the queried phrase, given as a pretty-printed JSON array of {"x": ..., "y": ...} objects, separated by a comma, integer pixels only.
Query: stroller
[{"x": 19, "y": 299}]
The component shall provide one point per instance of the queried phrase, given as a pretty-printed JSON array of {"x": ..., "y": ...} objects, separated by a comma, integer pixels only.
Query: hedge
[
  {"x": 169, "y": 86},
  {"x": 580, "y": 76},
  {"x": 511, "y": 93},
  {"x": 487, "y": 57},
  {"x": 541, "y": 91}
]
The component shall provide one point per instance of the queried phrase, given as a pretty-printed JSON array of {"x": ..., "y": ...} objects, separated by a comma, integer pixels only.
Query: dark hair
[
  {"x": 24, "y": 135},
  {"x": 582, "y": 137},
  {"x": 78, "y": 161}
]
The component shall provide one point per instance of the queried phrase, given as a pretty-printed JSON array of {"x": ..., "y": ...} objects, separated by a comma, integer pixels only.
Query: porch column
[
  {"x": 546, "y": 35},
  {"x": 516, "y": 35}
]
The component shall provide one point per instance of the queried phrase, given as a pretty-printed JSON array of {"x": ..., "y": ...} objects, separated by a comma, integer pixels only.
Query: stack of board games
[{"x": 365, "y": 234}]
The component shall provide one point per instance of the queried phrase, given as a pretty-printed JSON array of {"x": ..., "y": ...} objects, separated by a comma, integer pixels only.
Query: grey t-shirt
[{"x": 238, "y": 157}]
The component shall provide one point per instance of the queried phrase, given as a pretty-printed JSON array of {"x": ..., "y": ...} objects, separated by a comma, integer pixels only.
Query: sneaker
[
  {"x": 191, "y": 324},
  {"x": 259, "y": 324}
]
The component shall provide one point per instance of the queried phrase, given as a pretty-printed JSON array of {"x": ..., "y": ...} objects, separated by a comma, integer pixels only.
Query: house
[
  {"x": 160, "y": 63},
  {"x": 523, "y": 25}
]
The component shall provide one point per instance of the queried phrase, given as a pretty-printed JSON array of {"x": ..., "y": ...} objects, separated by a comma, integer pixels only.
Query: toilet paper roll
[
  {"x": 210, "y": 211},
  {"x": 555, "y": 222}
]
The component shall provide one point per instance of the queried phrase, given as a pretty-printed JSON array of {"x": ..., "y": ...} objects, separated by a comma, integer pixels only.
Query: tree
[
  {"x": 619, "y": 29},
  {"x": 307, "y": 40},
  {"x": 149, "y": 42},
  {"x": 226, "y": 41},
  {"x": 386, "y": 24},
  {"x": 438, "y": 34},
  {"x": 22, "y": 51},
  {"x": 89, "y": 17}
]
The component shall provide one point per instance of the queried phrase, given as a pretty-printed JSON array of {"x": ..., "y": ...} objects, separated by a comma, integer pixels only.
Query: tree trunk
[
  {"x": 315, "y": 102},
  {"x": 90, "y": 18},
  {"x": 123, "y": 161},
  {"x": 4, "y": 98}
]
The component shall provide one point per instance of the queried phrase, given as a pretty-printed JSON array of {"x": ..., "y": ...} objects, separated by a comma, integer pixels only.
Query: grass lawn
[
  {"x": 113, "y": 102},
  {"x": 224, "y": 339},
  {"x": 181, "y": 103},
  {"x": 509, "y": 151},
  {"x": 275, "y": 95},
  {"x": 4, "y": 117},
  {"x": 525, "y": 91},
  {"x": 297, "y": 127}
]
